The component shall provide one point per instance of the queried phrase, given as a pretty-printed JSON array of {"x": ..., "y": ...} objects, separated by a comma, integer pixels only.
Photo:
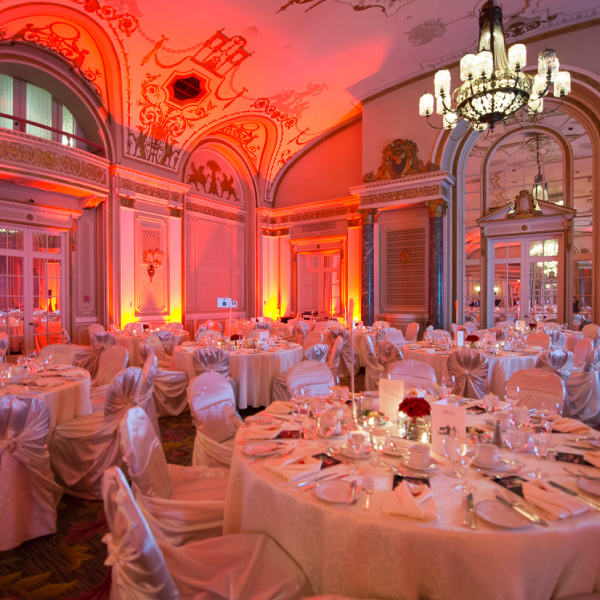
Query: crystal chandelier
[{"x": 494, "y": 85}]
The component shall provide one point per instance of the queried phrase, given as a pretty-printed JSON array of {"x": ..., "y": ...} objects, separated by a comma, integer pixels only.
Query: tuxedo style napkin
[
  {"x": 258, "y": 431},
  {"x": 593, "y": 457},
  {"x": 297, "y": 465},
  {"x": 556, "y": 503},
  {"x": 566, "y": 425},
  {"x": 411, "y": 500}
]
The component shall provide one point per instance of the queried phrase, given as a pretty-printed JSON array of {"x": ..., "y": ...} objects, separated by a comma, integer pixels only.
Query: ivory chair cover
[
  {"x": 180, "y": 504},
  {"x": 440, "y": 334},
  {"x": 112, "y": 361},
  {"x": 539, "y": 389},
  {"x": 214, "y": 325},
  {"x": 557, "y": 339},
  {"x": 539, "y": 339},
  {"x": 89, "y": 359},
  {"x": 163, "y": 343},
  {"x": 314, "y": 337},
  {"x": 301, "y": 328},
  {"x": 381, "y": 333},
  {"x": 246, "y": 566},
  {"x": 318, "y": 352},
  {"x": 146, "y": 399},
  {"x": 83, "y": 448},
  {"x": 377, "y": 362},
  {"x": 394, "y": 336},
  {"x": 315, "y": 377},
  {"x": 347, "y": 361},
  {"x": 170, "y": 387},
  {"x": 556, "y": 361},
  {"x": 470, "y": 371},
  {"x": 470, "y": 326},
  {"x": 583, "y": 391},
  {"x": 209, "y": 334},
  {"x": 61, "y": 353},
  {"x": 413, "y": 373},
  {"x": 581, "y": 351},
  {"x": 212, "y": 404},
  {"x": 214, "y": 359},
  {"x": 333, "y": 361},
  {"x": 95, "y": 328},
  {"x": 412, "y": 332},
  {"x": 28, "y": 493},
  {"x": 591, "y": 331}
]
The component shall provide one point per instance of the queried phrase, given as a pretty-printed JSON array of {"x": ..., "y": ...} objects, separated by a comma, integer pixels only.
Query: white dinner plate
[
  {"x": 496, "y": 513},
  {"x": 261, "y": 448},
  {"x": 499, "y": 466},
  {"x": 589, "y": 486},
  {"x": 533, "y": 349},
  {"x": 433, "y": 466},
  {"x": 261, "y": 419},
  {"x": 336, "y": 491}
]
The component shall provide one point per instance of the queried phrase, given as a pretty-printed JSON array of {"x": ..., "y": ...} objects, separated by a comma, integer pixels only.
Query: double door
[{"x": 319, "y": 290}]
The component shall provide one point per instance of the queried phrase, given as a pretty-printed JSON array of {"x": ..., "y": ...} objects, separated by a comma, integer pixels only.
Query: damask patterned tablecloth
[
  {"x": 346, "y": 550},
  {"x": 500, "y": 367}
]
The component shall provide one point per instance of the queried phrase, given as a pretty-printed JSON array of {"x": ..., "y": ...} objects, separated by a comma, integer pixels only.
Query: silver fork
[
  {"x": 368, "y": 487},
  {"x": 580, "y": 473}
]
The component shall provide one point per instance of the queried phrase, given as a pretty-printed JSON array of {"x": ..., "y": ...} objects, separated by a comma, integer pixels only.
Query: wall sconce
[{"x": 153, "y": 258}]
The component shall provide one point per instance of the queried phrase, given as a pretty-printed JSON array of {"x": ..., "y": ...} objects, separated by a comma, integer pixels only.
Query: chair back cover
[
  {"x": 263, "y": 326},
  {"x": 148, "y": 375},
  {"x": 318, "y": 353},
  {"x": 138, "y": 568},
  {"x": 583, "y": 390},
  {"x": 62, "y": 354},
  {"x": 381, "y": 333},
  {"x": 498, "y": 332},
  {"x": 539, "y": 389},
  {"x": 556, "y": 361},
  {"x": 347, "y": 361},
  {"x": 333, "y": 362},
  {"x": 557, "y": 339},
  {"x": 104, "y": 339},
  {"x": 112, "y": 360},
  {"x": 28, "y": 493},
  {"x": 470, "y": 326},
  {"x": 440, "y": 334},
  {"x": 144, "y": 454},
  {"x": 315, "y": 377},
  {"x": 591, "y": 331},
  {"x": 394, "y": 336},
  {"x": 470, "y": 371},
  {"x": 581, "y": 351},
  {"x": 539, "y": 339},
  {"x": 314, "y": 337},
  {"x": 214, "y": 325},
  {"x": 211, "y": 358},
  {"x": 201, "y": 327},
  {"x": 94, "y": 328},
  {"x": 414, "y": 374},
  {"x": 162, "y": 339},
  {"x": 212, "y": 405},
  {"x": 301, "y": 328},
  {"x": 123, "y": 392},
  {"x": 388, "y": 354},
  {"x": 174, "y": 326},
  {"x": 412, "y": 332},
  {"x": 65, "y": 337}
]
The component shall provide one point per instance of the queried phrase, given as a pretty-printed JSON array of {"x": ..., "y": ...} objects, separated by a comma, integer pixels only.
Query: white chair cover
[
  {"x": 583, "y": 391},
  {"x": 62, "y": 353},
  {"x": 394, "y": 336},
  {"x": 581, "y": 351},
  {"x": 499, "y": 333},
  {"x": 301, "y": 328},
  {"x": 83, "y": 448},
  {"x": 163, "y": 343},
  {"x": 414, "y": 374},
  {"x": 440, "y": 334},
  {"x": 333, "y": 362},
  {"x": 470, "y": 371},
  {"x": 380, "y": 324},
  {"x": 314, "y": 337},
  {"x": 539, "y": 339},
  {"x": 146, "y": 398},
  {"x": 557, "y": 339},
  {"x": 377, "y": 362},
  {"x": 112, "y": 361},
  {"x": 211, "y": 358},
  {"x": 347, "y": 361},
  {"x": 381, "y": 333},
  {"x": 94, "y": 328},
  {"x": 90, "y": 361},
  {"x": 412, "y": 332},
  {"x": 263, "y": 326},
  {"x": 170, "y": 388},
  {"x": 539, "y": 389},
  {"x": 236, "y": 567},
  {"x": 470, "y": 326},
  {"x": 317, "y": 352},
  {"x": 556, "y": 361},
  {"x": 314, "y": 377},
  {"x": 212, "y": 404},
  {"x": 28, "y": 493},
  {"x": 214, "y": 325},
  {"x": 201, "y": 327},
  {"x": 4, "y": 341},
  {"x": 65, "y": 338},
  {"x": 104, "y": 339},
  {"x": 180, "y": 504},
  {"x": 591, "y": 331},
  {"x": 387, "y": 354}
]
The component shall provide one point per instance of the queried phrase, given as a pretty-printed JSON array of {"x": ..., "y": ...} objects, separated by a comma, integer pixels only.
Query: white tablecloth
[
  {"x": 64, "y": 401},
  {"x": 132, "y": 345},
  {"x": 346, "y": 550},
  {"x": 253, "y": 370},
  {"x": 500, "y": 369},
  {"x": 287, "y": 330}
]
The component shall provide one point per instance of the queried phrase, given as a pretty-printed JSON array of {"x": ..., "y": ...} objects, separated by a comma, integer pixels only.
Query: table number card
[
  {"x": 446, "y": 419},
  {"x": 460, "y": 338},
  {"x": 263, "y": 336},
  {"x": 391, "y": 394}
]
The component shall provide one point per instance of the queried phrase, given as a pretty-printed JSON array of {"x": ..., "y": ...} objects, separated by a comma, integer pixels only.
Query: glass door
[
  {"x": 32, "y": 287},
  {"x": 319, "y": 289},
  {"x": 582, "y": 289}
]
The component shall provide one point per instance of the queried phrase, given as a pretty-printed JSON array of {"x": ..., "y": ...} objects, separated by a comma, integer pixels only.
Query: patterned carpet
[{"x": 70, "y": 564}]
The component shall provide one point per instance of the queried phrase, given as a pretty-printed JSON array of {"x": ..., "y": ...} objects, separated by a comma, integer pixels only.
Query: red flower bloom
[
  {"x": 415, "y": 407},
  {"x": 472, "y": 338}
]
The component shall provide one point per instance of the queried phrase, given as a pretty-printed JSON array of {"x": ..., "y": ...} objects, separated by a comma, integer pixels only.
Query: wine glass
[
  {"x": 32, "y": 354},
  {"x": 329, "y": 426},
  {"x": 448, "y": 383},
  {"x": 358, "y": 440},
  {"x": 458, "y": 450},
  {"x": 539, "y": 440},
  {"x": 516, "y": 439},
  {"x": 512, "y": 394},
  {"x": 379, "y": 439},
  {"x": 300, "y": 414},
  {"x": 491, "y": 402}
]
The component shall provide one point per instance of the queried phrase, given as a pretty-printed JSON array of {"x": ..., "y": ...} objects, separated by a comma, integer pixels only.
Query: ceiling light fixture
[{"x": 494, "y": 86}]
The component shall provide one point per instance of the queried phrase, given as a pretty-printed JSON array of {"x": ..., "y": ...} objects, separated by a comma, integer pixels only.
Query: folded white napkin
[
  {"x": 593, "y": 457},
  {"x": 556, "y": 503},
  {"x": 49, "y": 383},
  {"x": 267, "y": 431},
  {"x": 297, "y": 465},
  {"x": 565, "y": 425},
  {"x": 411, "y": 500},
  {"x": 279, "y": 407},
  {"x": 61, "y": 368}
]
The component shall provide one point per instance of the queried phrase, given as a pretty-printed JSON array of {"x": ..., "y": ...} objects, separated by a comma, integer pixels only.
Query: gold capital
[{"x": 437, "y": 208}]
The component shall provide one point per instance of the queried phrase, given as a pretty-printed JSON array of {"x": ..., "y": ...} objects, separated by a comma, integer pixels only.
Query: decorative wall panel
[
  {"x": 85, "y": 262},
  {"x": 151, "y": 296}
]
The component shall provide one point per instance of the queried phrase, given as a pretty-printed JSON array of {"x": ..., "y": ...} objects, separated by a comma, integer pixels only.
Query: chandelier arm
[
  {"x": 549, "y": 112},
  {"x": 430, "y": 125},
  {"x": 462, "y": 135}
]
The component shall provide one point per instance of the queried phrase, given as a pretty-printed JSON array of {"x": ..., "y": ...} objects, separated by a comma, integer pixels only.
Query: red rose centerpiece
[
  {"x": 415, "y": 407},
  {"x": 472, "y": 339},
  {"x": 414, "y": 420}
]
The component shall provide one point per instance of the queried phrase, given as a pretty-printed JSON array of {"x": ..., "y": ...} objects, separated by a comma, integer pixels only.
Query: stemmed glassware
[
  {"x": 512, "y": 395},
  {"x": 539, "y": 441},
  {"x": 379, "y": 438},
  {"x": 300, "y": 411},
  {"x": 358, "y": 440},
  {"x": 516, "y": 439},
  {"x": 458, "y": 449}
]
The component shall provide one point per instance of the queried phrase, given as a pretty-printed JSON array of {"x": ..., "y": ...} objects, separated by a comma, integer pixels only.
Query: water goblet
[
  {"x": 512, "y": 394},
  {"x": 32, "y": 354},
  {"x": 539, "y": 440},
  {"x": 300, "y": 414},
  {"x": 358, "y": 441},
  {"x": 491, "y": 403},
  {"x": 516, "y": 439},
  {"x": 379, "y": 439},
  {"x": 452, "y": 455}
]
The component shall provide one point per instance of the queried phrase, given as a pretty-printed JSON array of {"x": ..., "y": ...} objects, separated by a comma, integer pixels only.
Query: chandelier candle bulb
[
  {"x": 548, "y": 64},
  {"x": 450, "y": 120},
  {"x": 439, "y": 105},
  {"x": 426, "y": 105},
  {"x": 517, "y": 57},
  {"x": 468, "y": 67},
  {"x": 443, "y": 83},
  {"x": 485, "y": 64},
  {"x": 562, "y": 84}
]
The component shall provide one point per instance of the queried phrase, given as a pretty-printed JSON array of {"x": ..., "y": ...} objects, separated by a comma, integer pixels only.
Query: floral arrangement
[
  {"x": 472, "y": 338},
  {"x": 415, "y": 407}
]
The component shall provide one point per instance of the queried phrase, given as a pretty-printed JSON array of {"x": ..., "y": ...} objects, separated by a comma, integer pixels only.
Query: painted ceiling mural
[{"x": 196, "y": 67}]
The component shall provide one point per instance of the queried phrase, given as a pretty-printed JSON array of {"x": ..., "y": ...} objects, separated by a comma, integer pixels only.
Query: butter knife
[
  {"x": 471, "y": 510},
  {"x": 566, "y": 490},
  {"x": 352, "y": 495},
  {"x": 523, "y": 512}
]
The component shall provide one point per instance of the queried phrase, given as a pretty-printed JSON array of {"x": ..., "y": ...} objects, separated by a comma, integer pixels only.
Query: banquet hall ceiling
[{"x": 267, "y": 74}]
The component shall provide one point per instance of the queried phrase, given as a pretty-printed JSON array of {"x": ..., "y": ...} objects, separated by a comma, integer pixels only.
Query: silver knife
[
  {"x": 566, "y": 490},
  {"x": 352, "y": 492},
  {"x": 590, "y": 447},
  {"x": 525, "y": 513},
  {"x": 471, "y": 509}
]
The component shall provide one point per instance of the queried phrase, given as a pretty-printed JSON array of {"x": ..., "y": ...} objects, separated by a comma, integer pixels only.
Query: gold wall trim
[
  {"x": 215, "y": 212},
  {"x": 407, "y": 194}
]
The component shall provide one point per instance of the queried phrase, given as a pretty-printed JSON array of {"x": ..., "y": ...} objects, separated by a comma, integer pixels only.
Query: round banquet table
[
  {"x": 253, "y": 370},
  {"x": 66, "y": 401},
  {"x": 345, "y": 550},
  {"x": 501, "y": 367},
  {"x": 131, "y": 343}
]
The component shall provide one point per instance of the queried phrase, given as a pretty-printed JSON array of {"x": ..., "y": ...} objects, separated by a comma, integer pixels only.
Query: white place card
[
  {"x": 446, "y": 419},
  {"x": 460, "y": 338},
  {"x": 391, "y": 394},
  {"x": 263, "y": 336}
]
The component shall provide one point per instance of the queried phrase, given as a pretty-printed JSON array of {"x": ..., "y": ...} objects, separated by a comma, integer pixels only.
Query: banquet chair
[
  {"x": 29, "y": 496},
  {"x": 4, "y": 341},
  {"x": 94, "y": 328},
  {"x": 380, "y": 324},
  {"x": 377, "y": 361},
  {"x": 558, "y": 362},
  {"x": 538, "y": 339},
  {"x": 170, "y": 387},
  {"x": 175, "y": 326},
  {"x": 212, "y": 404},
  {"x": 412, "y": 332},
  {"x": 591, "y": 331},
  {"x": 318, "y": 352},
  {"x": 333, "y": 360},
  {"x": 213, "y": 359},
  {"x": 583, "y": 391},
  {"x": 61, "y": 354},
  {"x": 163, "y": 343},
  {"x": 146, "y": 397},
  {"x": 557, "y": 338},
  {"x": 314, "y": 377},
  {"x": 499, "y": 333},
  {"x": 414, "y": 374},
  {"x": 233, "y": 567},
  {"x": 214, "y": 325},
  {"x": 539, "y": 389},
  {"x": 180, "y": 504},
  {"x": 112, "y": 361},
  {"x": 301, "y": 328},
  {"x": 581, "y": 351},
  {"x": 209, "y": 334},
  {"x": 470, "y": 370},
  {"x": 394, "y": 336},
  {"x": 470, "y": 326},
  {"x": 314, "y": 337},
  {"x": 381, "y": 333},
  {"x": 347, "y": 361},
  {"x": 84, "y": 447}
]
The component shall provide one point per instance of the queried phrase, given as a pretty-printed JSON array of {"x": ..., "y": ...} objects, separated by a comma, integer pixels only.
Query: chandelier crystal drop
[{"x": 494, "y": 86}]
